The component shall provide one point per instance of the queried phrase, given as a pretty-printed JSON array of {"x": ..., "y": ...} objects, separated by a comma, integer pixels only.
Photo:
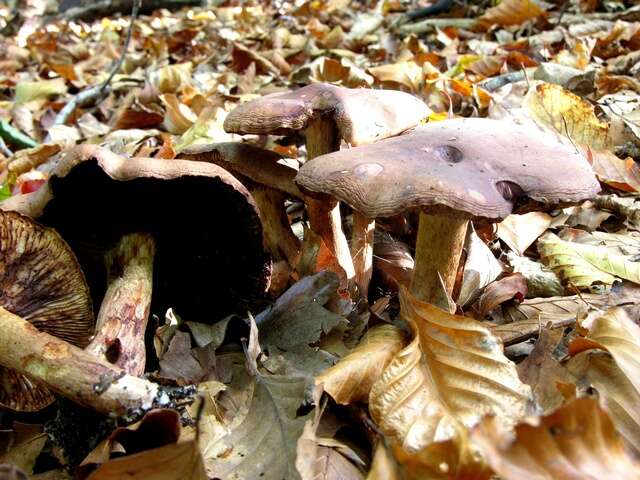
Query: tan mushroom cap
[
  {"x": 471, "y": 166},
  {"x": 40, "y": 281},
  {"x": 361, "y": 115}
]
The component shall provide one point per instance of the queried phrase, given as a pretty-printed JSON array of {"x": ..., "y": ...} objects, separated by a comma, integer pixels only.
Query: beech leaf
[
  {"x": 350, "y": 380},
  {"x": 446, "y": 379}
]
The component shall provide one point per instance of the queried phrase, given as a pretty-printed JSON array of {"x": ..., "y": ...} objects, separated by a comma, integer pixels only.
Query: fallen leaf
[
  {"x": 446, "y": 379},
  {"x": 503, "y": 290},
  {"x": 583, "y": 265},
  {"x": 509, "y": 12},
  {"x": 541, "y": 281},
  {"x": 576, "y": 441},
  {"x": 520, "y": 231},
  {"x": 350, "y": 380},
  {"x": 618, "y": 173},
  {"x": 39, "y": 90},
  {"x": 480, "y": 269}
]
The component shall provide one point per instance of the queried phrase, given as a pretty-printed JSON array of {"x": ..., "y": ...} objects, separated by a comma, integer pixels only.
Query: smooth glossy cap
[
  {"x": 471, "y": 166},
  {"x": 362, "y": 116}
]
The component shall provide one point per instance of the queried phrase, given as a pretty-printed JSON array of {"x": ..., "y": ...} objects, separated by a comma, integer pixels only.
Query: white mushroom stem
[
  {"x": 362, "y": 250},
  {"x": 279, "y": 237},
  {"x": 438, "y": 251},
  {"x": 124, "y": 312},
  {"x": 71, "y": 371},
  {"x": 322, "y": 137}
]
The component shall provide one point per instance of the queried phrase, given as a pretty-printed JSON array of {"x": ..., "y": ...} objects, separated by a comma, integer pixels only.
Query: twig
[
  {"x": 4, "y": 149},
  {"x": 15, "y": 136},
  {"x": 96, "y": 94},
  {"x": 494, "y": 83},
  {"x": 431, "y": 24}
]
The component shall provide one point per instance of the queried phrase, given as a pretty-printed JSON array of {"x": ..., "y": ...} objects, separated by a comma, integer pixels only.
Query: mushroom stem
[
  {"x": 71, "y": 371},
  {"x": 324, "y": 217},
  {"x": 438, "y": 250},
  {"x": 124, "y": 312},
  {"x": 362, "y": 250},
  {"x": 280, "y": 239}
]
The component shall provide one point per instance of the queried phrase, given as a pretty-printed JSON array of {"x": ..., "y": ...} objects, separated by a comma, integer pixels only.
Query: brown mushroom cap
[
  {"x": 361, "y": 115},
  {"x": 210, "y": 260},
  {"x": 471, "y": 166},
  {"x": 41, "y": 281}
]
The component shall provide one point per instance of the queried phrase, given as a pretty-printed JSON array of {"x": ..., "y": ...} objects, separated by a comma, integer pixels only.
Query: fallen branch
[
  {"x": 95, "y": 94},
  {"x": 76, "y": 374},
  {"x": 105, "y": 8},
  {"x": 431, "y": 24}
]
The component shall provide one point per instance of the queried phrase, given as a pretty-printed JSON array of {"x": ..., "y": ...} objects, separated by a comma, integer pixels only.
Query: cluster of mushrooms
[{"x": 135, "y": 236}]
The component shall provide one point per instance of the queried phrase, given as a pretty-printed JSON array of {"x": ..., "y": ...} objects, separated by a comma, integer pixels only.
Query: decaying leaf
[
  {"x": 350, "y": 380},
  {"x": 480, "y": 269},
  {"x": 447, "y": 378},
  {"x": 323, "y": 458},
  {"x": 576, "y": 441},
  {"x": 568, "y": 114},
  {"x": 513, "y": 286},
  {"x": 583, "y": 265},
  {"x": 509, "y": 12},
  {"x": 616, "y": 393},
  {"x": 541, "y": 281},
  {"x": 520, "y": 231},
  {"x": 616, "y": 172}
]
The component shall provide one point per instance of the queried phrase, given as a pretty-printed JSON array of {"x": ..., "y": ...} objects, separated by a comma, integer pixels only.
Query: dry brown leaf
[
  {"x": 446, "y": 379},
  {"x": 577, "y": 441},
  {"x": 539, "y": 308},
  {"x": 520, "y": 231},
  {"x": 618, "y": 173},
  {"x": 503, "y": 290},
  {"x": 178, "y": 117},
  {"x": 180, "y": 461},
  {"x": 383, "y": 465},
  {"x": 408, "y": 74},
  {"x": 509, "y": 12},
  {"x": 616, "y": 393},
  {"x": 350, "y": 380}
]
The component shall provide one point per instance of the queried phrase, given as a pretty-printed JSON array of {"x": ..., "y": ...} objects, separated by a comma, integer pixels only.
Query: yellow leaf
[
  {"x": 582, "y": 265},
  {"x": 408, "y": 74},
  {"x": 568, "y": 114},
  {"x": 509, "y": 12},
  {"x": 40, "y": 90},
  {"x": 520, "y": 231},
  {"x": 171, "y": 78},
  {"x": 350, "y": 380},
  {"x": 577, "y": 441},
  {"x": 446, "y": 379}
]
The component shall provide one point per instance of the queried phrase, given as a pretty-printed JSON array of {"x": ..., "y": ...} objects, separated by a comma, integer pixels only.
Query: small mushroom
[
  {"x": 41, "y": 281},
  {"x": 269, "y": 183},
  {"x": 452, "y": 171},
  {"x": 179, "y": 234},
  {"x": 45, "y": 319},
  {"x": 328, "y": 114}
]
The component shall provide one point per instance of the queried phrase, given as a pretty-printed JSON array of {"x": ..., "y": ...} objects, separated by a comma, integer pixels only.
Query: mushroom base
[
  {"x": 123, "y": 316},
  {"x": 438, "y": 251},
  {"x": 72, "y": 372}
]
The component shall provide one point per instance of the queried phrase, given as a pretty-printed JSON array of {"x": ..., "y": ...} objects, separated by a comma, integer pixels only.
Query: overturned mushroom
[
  {"x": 329, "y": 114},
  {"x": 41, "y": 281},
  {"x": 269, "y": 183},
  {"x": 452, "y": 171},
  {"x": 190, "y": 229}
]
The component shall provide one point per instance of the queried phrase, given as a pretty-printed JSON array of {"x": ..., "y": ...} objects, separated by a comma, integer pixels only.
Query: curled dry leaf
[
  {"x": 446, "y": 379},
  {"x": 509, "y": 12},
  {"x": 503, "y": 290},
  {"x": 583, "y": 265},
  {"x": 480, "y": 269},
  {"x": 350, "y": 380},
  {"x": 520, "y": 231},
  {"x": 621, "y": 174},
  {"x": 577, "y": 441},
  {"x": 615, "y": 391}
]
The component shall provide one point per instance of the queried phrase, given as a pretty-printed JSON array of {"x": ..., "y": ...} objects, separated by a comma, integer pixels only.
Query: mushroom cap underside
[{"x": 473, "y": 167}]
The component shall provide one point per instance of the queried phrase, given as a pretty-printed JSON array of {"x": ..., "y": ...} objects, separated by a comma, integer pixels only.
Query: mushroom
[
  {"x": 267, "y": 180},
  {"x": 452, "y": 171},
  {"x": 45, "y": 317},
  {"x": 41, "y": 281},
  {"x": 190, "y": 229},
  {"x": 328, "y": 114}
]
